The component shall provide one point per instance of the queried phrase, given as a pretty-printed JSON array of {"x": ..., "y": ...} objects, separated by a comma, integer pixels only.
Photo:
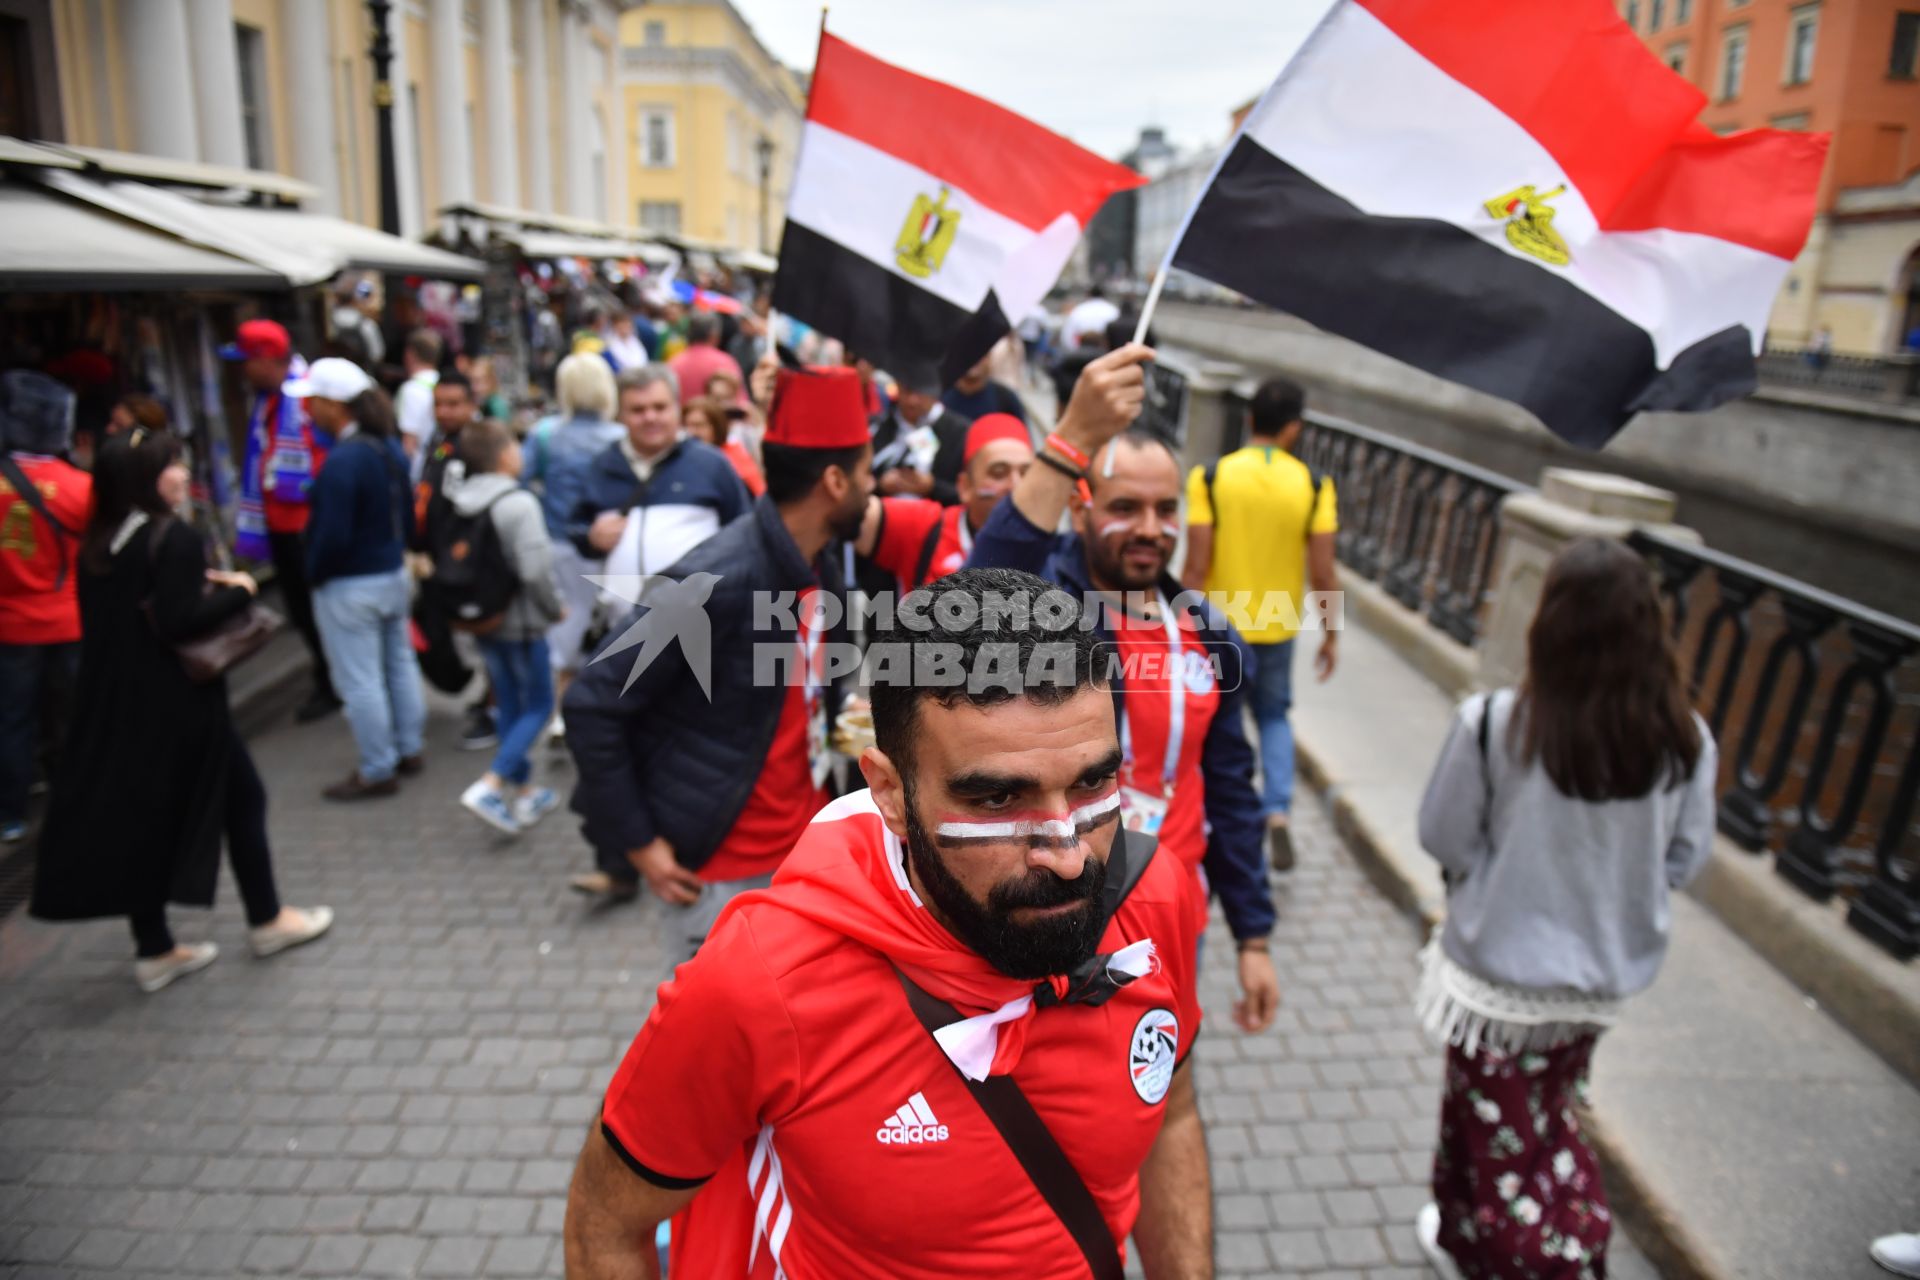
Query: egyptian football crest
[
  {"x": 927, "y": 235},
  {"x": 1529, "y": 220}
]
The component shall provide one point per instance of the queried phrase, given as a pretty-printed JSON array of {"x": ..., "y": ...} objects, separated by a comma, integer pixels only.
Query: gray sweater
[
  {"x": 1550, "y": 892},
  {"x": 523, "y": 536}
]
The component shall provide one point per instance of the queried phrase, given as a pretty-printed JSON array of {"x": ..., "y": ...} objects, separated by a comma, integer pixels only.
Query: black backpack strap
[
  {"x": 1026, "y": 1135},
  {"x": 927, "y": 548},
  {"x": 37, "y": 503},
  {"x": 1318, "y": 479},
  {"x": 1207, "y": 475}
]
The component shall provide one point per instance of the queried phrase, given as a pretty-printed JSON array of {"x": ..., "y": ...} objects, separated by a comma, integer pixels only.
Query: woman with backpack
[
  {"x": 504, "y": 594},
  {"x": 1562, "y": 812},
  {"x": 155, "y": 775}
]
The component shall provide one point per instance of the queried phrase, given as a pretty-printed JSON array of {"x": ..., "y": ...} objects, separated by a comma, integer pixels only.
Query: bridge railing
[
  {"x": 1814, "y": 699},
  {"x": 1815, "y": 702},
  {"x": 1889, "y": 379},
  {"x": 1422, "y": 524}
]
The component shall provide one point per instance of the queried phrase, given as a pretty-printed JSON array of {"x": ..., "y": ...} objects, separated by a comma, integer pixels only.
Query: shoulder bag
[{"x": 207, "y": 657}]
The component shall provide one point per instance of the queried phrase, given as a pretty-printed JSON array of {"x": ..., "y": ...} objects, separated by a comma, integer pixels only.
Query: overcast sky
[{"x": 1095, "y": 70}]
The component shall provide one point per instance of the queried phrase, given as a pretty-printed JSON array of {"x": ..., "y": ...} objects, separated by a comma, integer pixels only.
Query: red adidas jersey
[
  {"x": 784, "y": 797},
  {"x": 33, "y": 609},
  {"x": 905, "y": 526},
  {"x": 1149, "y": 679},
  {"x": 783, "y": 1067}
]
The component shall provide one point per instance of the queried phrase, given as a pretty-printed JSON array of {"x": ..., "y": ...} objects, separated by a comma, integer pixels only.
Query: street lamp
[
  {"x": 382, "y": 52},
  {"x": 764, "y": 149}
]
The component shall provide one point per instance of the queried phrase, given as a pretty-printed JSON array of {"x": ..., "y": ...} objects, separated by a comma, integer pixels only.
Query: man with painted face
[
  {"x": 917, "y": 540},
  {"x": 1179, "y": 672},
  {"x": 973, "y": 927}
]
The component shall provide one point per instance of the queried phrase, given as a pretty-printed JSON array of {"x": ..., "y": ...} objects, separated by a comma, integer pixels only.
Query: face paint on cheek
[
  {"x": 1170, "y": 531},
  {"x": 1034, "y": 826},
  {"x": 1112, "y": 527}
]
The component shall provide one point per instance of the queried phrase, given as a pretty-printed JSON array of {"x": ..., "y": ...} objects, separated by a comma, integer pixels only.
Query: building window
[
  {"x": 660, "y": 216},
  {"x": 735, "y": 164},
  {"x": 1656, "y": 15},
  {"x": 1798, "y": 121},
  {"x": 251, "y": 47},
  {"x": 656, "y": 34},
  {"x": 1682, "y": 12},
  {"x": 656, "y": 138},
  {"x": 1633, "y": 14},
  {"x": 1676, "y": 57},
  {"x": 1736, "y": 4},
  {"x": 1803, "y": 25},
  {"x": 1733, "y": 62},
  {"x": 350, "y": 148},
  {"x": 1906, "y": 46}
]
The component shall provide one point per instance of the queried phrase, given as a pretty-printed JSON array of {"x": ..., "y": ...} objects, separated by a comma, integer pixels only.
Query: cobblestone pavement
[{"x": 407, "y": 1096}]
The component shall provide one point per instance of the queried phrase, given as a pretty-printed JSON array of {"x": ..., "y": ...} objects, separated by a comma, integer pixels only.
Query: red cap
[
  {"x": 989, "y": 427},
  {"x": 263, "y": 338},
  {"x": 819, "y": 407}
]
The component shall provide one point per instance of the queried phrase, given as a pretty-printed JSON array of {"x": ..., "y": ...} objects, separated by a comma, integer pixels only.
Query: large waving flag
[
  {"x": 1515, "y": 196},
  {"x": 923, "y": 221}
]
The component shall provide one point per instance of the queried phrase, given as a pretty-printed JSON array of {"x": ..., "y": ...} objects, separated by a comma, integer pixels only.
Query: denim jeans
[
  {"x": 29, "y": 673},
  {"x": 364, "y": 624},
  {"x": 522, "y": 677},
  {"x": 1272, "y": 699}
]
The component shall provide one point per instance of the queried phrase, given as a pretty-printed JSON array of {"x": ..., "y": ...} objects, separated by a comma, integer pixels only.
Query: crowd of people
[{"x": 970, "y": 913}]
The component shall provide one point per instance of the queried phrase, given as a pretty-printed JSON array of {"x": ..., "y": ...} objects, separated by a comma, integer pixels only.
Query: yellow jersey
[{"x": 1262, "y": 508}]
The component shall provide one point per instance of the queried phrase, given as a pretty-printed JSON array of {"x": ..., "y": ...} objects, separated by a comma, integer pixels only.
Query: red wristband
[{"x": 1067, "y": 451}]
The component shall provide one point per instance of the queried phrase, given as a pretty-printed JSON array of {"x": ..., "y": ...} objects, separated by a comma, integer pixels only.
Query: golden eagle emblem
[
  {"x": 926, "y": 235},
  {"x": 1529, "y": 220}
]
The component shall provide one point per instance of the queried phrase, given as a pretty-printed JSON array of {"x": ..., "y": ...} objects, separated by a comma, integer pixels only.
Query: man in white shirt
[{"x": 413, "y": 406}]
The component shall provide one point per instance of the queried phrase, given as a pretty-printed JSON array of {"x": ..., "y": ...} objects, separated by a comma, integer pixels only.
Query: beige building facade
[
  {"x": 514, "y": 103},
  {"x": 715, "y": 121}
]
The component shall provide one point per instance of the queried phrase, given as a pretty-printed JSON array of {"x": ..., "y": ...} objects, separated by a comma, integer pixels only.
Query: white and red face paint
[
  {"x": 1168, "y": 529},
  {"x": 1030, "y": 826}
]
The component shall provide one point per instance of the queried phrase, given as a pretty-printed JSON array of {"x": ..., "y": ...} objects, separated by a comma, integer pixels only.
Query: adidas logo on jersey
[{"x": 912, "y": 1123}]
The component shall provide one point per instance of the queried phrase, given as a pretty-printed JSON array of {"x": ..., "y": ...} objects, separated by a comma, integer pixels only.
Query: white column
[
  {"x": 576, "y": 125},
  {"x": 539, "y": 195},
  {"x": 622, "y": 213},
  {"x": 406, "y": 158},
  {"x": 309, "y": 46},
  {"x": 154, "y": 33},
  {"x": 496, "y": 70},
  {"x": 449, "y": 65},
  {"x": 216, "y": 82}
]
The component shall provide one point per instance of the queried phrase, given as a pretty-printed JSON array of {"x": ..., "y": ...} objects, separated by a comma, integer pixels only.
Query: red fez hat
[
  {"x": 989, "y": 427},
  {"x": 259, "y": 338},
  {"x": 818, "y": 407}
]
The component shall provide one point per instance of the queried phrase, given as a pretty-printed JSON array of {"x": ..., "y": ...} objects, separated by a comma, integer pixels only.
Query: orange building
[{"x": 1846, "y": 67}]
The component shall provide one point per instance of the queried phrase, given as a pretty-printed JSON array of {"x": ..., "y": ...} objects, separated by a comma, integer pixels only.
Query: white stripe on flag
[
  {"x": 1368, "y": 117},
  {"x": 859, "y": 197}
]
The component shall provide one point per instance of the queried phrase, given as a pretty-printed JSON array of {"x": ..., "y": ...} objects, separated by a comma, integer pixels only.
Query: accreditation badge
[{"x": 1142, "y": 811}]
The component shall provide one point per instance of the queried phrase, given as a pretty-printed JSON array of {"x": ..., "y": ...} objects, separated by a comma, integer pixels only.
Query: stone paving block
[
  {"x": 516, "y": 1256},
  {"x": 275, "y": 1254},
  {"x": 393, "y": 1256},
  {"x": 1354, "y": 1246},
  {"x": 453, "y": 1256}
]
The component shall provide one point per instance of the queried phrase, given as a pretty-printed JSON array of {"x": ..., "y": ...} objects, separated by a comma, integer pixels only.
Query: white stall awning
[{"x": 53, "y": 244}]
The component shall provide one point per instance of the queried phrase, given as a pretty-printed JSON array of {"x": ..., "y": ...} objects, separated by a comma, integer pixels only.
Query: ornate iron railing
[
  {"x": 1890, "y": 379},
  {"x": 1420, "y": 523},
  {"x": 1815, "y": 702}
]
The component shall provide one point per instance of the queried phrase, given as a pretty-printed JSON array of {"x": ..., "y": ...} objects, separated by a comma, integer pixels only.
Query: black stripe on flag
[
  {"x": 914, "y": 335},
  {"x": 1442, "y": 299}
]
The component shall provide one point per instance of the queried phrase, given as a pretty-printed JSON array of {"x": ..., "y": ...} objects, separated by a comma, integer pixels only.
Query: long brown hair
[{"x": 1603, "y": 706}]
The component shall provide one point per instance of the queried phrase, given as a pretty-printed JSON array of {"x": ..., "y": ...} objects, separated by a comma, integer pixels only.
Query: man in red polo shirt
[
  {"x": 918, "y": 540},
  {"x": 821, "y": 1125}
]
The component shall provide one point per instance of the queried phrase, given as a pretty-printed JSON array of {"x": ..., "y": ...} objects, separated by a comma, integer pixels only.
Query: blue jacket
[
  {"x": 360, "y": 510},
  {"x": 1236, "y": 861},
  {"x": 560, "y": 453},
  {"x": 661, "y": 758},
  {"x": 692, "y": 492}
]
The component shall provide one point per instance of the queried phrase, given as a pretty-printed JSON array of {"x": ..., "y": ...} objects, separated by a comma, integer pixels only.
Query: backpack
[
  {"x": 1315, "y": 477},
  {"x": 473, "y": 581}
]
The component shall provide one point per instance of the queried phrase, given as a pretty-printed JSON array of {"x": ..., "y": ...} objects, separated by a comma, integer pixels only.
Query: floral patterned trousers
[{"x": 1517, "y": 1185}]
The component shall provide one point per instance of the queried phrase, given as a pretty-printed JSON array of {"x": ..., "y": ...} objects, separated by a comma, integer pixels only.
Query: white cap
[{"x": 330, "y": 378}]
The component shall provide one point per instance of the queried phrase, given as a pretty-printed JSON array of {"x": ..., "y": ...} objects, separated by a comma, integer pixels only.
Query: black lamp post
[
  {"x": 382, "y": 52},
  {"x": 764, "y": 149}
]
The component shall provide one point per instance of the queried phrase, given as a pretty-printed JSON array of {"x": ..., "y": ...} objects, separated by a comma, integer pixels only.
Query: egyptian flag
[
  {"x": 1515, "y": 196},
  {"x": 924, "y": 221}
]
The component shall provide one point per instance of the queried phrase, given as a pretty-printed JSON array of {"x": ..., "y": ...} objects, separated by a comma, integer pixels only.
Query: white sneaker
[
  {"x": 1427, "y": 1228},
  {"x": 531, "y": 806},
  {"x": 161, "y": 970},
  {"x": 274, "y": 937},
  {"x": 557, "y": 733},
  {"x": 492, "y": 808},
  {"x": 1898, "y": 1253}
]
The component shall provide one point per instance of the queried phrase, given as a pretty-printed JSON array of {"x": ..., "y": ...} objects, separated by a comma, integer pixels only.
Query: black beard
[
  {"x": 1118, "y": 572},
  {"x": 1050, "y": 945},
  {"x": 846, "y": 527}
]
